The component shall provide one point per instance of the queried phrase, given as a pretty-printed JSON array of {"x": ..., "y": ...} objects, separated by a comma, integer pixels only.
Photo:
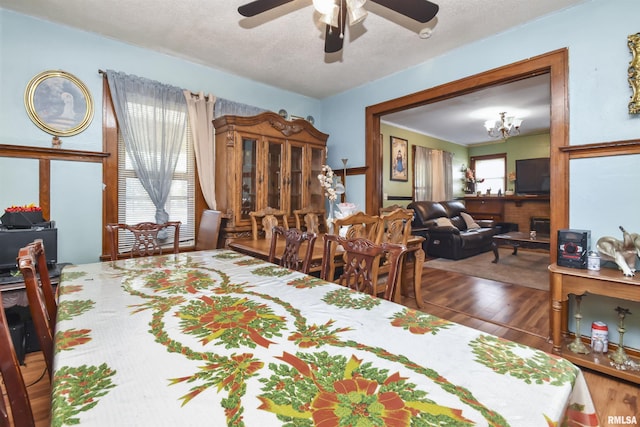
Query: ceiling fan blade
[
  {"x": 418, "y": 10},
  {"x": 258, "y": 6},
  {"x": 334, "y": 36}
]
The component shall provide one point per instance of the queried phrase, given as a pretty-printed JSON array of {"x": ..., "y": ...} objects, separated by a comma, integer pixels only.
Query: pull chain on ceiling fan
[{"x": 334, "y": 14}]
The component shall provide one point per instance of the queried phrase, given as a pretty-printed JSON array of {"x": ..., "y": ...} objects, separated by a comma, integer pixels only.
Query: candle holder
[
  {"x": 577, "y": 346},
  {"x": 619, "y": 358}
]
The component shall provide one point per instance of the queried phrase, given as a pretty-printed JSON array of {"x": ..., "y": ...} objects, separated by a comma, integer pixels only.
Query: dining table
[
  {"x": 213, "y": 338},
  {"x": 410, "y": 273}
]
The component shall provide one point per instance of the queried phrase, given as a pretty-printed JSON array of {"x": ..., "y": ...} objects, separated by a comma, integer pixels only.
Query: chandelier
[
  {"x": 504, "y": 127},
  {"x": 330, "y": 11}
]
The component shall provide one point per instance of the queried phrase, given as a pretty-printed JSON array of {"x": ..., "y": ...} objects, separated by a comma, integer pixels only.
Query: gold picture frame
[
  {"x": 633, "y": 41},
  {"x": 399, "y": 159},
  {"x": 58, "y": 103}
]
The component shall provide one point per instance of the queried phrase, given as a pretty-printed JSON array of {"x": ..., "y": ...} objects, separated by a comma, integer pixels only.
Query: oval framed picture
[{"x": 58, "y": 103}]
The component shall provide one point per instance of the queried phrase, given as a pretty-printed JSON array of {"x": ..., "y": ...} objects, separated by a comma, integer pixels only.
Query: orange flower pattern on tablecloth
[
  {"x": 66, "y": 340},
  {"x": 419, "y": 323},
  {"x": 334, "y": 391},
  {"x": 234, "y": 321}
]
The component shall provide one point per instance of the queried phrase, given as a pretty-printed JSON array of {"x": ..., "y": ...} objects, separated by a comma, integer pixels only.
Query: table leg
[
  {"x": 496, "y": 255},
  {"x": 417, "y": 276},
  {"x": 515, "y": 250}
]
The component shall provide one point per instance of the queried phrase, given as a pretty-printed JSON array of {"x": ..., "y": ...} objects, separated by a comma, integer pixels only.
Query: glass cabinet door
[
  {"x": 316, "y": 198},
  {"x": 249, "y": 173},
  {"x": 296, "y": 177},
  {"x": 274, "y": 175}
]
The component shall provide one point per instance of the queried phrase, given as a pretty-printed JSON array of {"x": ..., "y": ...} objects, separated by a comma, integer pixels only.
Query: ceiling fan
[{"x": 335, "y": 14}]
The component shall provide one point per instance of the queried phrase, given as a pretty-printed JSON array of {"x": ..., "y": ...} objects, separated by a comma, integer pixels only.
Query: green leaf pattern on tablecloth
[
  {"x": 419, "y": 323},
  {"x": 348, "y": 298},
  {"x": 69, "y": 309},
  {"x": 502, "y": 357},
  {"x": 271, "y": 271},
  {"x": 307, "y": 387},
  {"x": 77, "y": 390},
  {"x": 67, "y": 340},
  {"x": 306, "y": 282}
]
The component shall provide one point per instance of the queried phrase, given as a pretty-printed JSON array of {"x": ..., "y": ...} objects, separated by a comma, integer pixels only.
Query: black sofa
[{"x": 455, "y": 241}]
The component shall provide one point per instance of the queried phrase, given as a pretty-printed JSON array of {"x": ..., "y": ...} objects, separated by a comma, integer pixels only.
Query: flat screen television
[{"x": 533, "y": 176}]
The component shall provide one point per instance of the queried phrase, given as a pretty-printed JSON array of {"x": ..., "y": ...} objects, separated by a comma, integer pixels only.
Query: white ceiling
[{"x": 284, "y": 47}]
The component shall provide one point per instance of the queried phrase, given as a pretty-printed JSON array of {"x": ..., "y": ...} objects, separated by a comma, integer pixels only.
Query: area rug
[{"x": 527, "y": 268}]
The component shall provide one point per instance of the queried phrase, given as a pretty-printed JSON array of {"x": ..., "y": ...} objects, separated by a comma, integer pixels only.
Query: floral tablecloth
[{"x": 217, "y": 338}]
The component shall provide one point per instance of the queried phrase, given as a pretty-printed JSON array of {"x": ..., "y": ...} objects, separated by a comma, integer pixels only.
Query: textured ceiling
[{"x": 284, "y": 47}]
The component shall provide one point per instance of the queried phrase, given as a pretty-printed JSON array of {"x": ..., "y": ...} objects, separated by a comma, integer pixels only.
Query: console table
[{"x": 605, "y": 282}]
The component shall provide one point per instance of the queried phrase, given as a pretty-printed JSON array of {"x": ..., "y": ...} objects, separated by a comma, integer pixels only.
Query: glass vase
[{"x": 331, "y": 215}]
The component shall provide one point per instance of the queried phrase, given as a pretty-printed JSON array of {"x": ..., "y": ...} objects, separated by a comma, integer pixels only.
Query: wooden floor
[{"x": 513, "y": 312}]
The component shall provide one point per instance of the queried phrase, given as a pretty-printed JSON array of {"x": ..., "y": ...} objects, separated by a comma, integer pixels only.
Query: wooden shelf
[
  {"x": 575, "y": 281},
  {"x": 602, "y": 364}
]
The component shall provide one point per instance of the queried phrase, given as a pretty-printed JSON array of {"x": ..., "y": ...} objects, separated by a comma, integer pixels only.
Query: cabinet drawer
[{"x": 484, "y": 206}]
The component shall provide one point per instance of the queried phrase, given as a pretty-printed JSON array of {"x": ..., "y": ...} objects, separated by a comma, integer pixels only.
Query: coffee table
[{"x": 518, "y": 239}]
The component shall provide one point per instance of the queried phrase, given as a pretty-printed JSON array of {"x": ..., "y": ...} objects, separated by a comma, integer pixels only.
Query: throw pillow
[
  {"x": 468, "y": 219},
  {"x": 444, "y": 222}
]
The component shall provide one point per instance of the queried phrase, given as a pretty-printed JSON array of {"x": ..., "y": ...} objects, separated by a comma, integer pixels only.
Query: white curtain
[
  {"x": 433, "y": 174},
  {"x": 201, "y": 120},
  {"x": 151, "y": 117}
]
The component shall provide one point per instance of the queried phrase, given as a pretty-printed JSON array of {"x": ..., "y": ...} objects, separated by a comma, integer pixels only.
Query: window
[
  {"x": 134, "y": 204},
  {"x": 491, "y": 170}
]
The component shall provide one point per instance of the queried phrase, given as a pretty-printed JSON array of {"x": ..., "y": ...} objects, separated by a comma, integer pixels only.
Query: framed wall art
[
  {"x": 633, "y": 41},
  {"x": 399, "y": 159},
  {"x": 58, "y": 103}
]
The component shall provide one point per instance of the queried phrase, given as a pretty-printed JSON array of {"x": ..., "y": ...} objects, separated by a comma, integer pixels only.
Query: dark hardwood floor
[{"x": 513, "y": 312}]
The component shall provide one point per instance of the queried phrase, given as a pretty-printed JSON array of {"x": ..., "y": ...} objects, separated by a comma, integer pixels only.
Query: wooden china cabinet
[{"x": 266, "y": 161}]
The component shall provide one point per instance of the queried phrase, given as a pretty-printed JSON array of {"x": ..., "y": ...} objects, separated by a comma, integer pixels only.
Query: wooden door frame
[{"x": 555, "y": 63}]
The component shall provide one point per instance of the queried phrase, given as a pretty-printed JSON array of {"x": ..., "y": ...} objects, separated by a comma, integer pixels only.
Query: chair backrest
[
  {"x": 13, "y": 381},
  {"x": 387, "y": 210},
  {"x": 293, "y": 243},
  {"x": 311, "y": 220},
  {"x": 268, "y": 218},
  {"x": 361, "y": 263},
  {"x": 42, "y": 323},
  {"x": 145, "y": 238},
  {"x": 45, "y": 280},
  {"x": 359, "y": 225},
  {"x": 395, "y": 226},
  {"x": 209, "y": 230}
]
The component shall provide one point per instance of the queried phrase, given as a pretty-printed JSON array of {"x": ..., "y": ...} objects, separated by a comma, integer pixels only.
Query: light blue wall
[{"x": 29, "y": 46}]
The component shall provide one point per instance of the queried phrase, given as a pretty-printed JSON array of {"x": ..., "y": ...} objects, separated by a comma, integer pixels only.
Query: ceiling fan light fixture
[
  {"x": 325, "y": 7},
  {"x": 331, "y": 18},
  {"x": 357, "y": 12}
]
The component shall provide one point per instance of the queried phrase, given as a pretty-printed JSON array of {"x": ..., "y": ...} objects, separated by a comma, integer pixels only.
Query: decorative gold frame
[
  {"x": 58, "y": 103},
  {"x": 633, "y": 41}
]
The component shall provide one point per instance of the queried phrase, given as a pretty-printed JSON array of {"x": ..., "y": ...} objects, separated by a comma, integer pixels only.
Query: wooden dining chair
[
  {"x": 395, "y": 227},
  {"x": 13, "y": 381},
  {"x": 311, "y": 219},
  {"x": 209, "y": 230},
  {"x": 143, "y": 237},
  {"x": 45, "y": 280},
  {"x": 359, "y": 224},
  {"x": 268, "y": 218},
  {"x": 293, "y": 244},
  {"x": 42, "y": 322},
  {"x": 362, "y": 263}
]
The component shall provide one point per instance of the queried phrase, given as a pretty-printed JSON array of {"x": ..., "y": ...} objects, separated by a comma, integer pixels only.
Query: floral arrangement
[
  {"x": 330, "y": 183},
  {"x": 25, "y": 208},
  {"x": 512, "y": 176},
  {"x": 470, "y": 176}
]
